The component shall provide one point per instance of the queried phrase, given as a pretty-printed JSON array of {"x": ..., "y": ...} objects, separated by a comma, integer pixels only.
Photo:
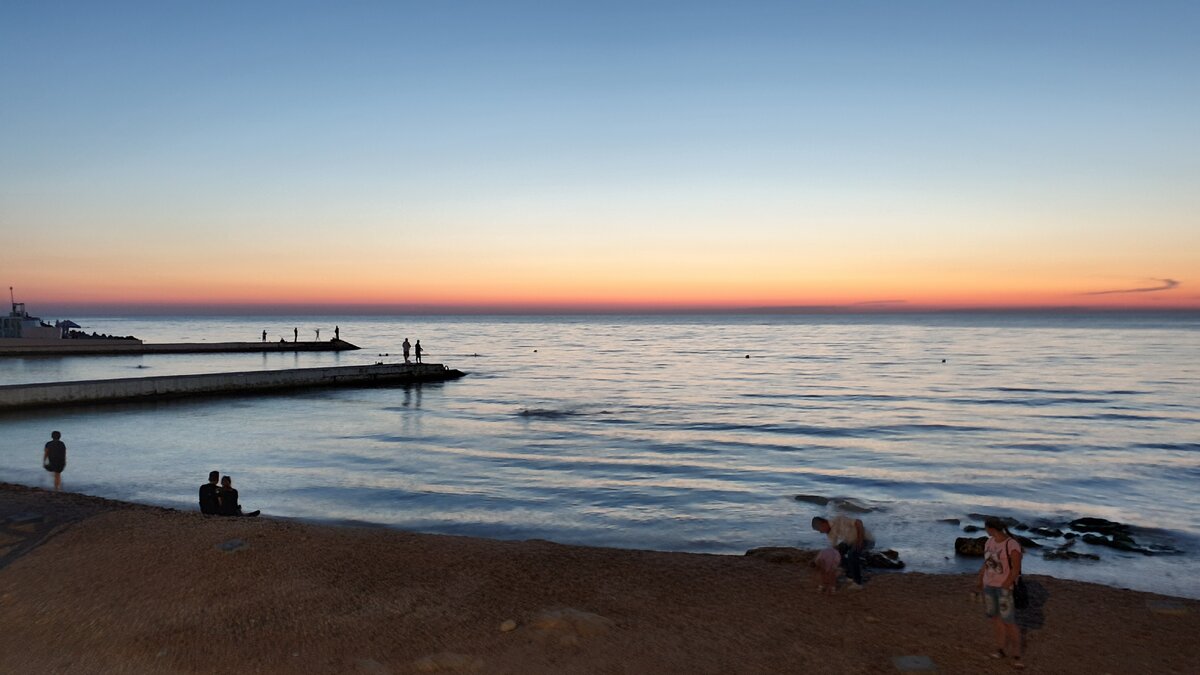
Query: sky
[{"x": 568, "y": 156}]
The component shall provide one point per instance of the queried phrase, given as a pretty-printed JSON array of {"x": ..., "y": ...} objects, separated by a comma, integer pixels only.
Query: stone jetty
[
  {"x": 86, "y": 392},
  {"x": 110, "y": 347}
]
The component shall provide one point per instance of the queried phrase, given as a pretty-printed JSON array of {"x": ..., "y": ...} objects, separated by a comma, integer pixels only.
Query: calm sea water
[{"x": 658, "y": 432}]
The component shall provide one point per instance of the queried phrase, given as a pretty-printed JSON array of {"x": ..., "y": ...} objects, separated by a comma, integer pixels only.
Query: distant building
[{"x": 18, "y": 324}]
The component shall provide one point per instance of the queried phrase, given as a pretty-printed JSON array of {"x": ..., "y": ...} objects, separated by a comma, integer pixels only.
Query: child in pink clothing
[{"x": 825, "y": 568}]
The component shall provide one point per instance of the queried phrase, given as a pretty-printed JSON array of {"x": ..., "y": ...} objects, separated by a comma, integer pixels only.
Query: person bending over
[{"x": 851, "y": 539}]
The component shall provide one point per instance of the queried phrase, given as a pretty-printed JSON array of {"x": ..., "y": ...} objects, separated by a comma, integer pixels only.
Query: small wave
[
  {"x": 1185, "y": 447},
  {"x": 547, "y": 413},
  {"x": 1027, "y": 402}
]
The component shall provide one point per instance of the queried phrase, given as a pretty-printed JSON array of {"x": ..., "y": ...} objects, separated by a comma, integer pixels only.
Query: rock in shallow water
[
  {"x": 971, "y": 547},
  {"x": 884, "y": 560}
]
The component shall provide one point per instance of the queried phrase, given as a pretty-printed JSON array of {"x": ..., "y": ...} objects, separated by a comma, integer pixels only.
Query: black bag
[{"x": 1020, "y": 592}]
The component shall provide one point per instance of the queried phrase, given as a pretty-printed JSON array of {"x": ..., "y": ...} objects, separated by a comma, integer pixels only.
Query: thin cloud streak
[{"x": 1166, "y": 285}]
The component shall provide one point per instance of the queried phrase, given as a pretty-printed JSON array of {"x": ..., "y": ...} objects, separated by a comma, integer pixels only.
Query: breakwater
[
  {"x": 101, "y": 347},
  {"x": 211, "y": 384}
]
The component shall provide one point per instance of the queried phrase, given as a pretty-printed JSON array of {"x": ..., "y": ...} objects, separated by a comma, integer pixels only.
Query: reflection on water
[{"x": 658, "y": 432}]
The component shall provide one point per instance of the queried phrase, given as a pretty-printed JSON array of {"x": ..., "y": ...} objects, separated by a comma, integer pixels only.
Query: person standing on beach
[
  {"x": 406, "y": 347},
  {"x": 417, "y": 351},
  {"x": 851, "y": 539},
  {"x": 997, "y": 577},
  {"x": 210, "y": 503},
  {"x": 54, "y": 458}
]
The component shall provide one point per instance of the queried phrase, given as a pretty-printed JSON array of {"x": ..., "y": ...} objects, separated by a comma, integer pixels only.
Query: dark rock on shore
[
  {"x": 1100, "y": 525},
  {"x": 972, "y": 528},
  {"x": 971, "y": 547},
  {"x": 1046, "y": 531},
  {"x": 952, "y": 521},
  {"x": 884, "y": 560},
  {"x": 1010, "y": 522},
  {"x": 840, "y": 503},
  {"x": 1065, "y": 553}
]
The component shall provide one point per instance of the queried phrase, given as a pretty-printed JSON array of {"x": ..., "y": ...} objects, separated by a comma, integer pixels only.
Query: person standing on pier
[
  {"x": 54, "y": 458},
  {"x": 264, "y": 336},
  {"x": 417, "y": 350},
  {"x": 318, "y": 335},
  {"x": 406, "y": 347},
  {"x": 337, "y": 333},
  {"x": 295, "y": 335}
]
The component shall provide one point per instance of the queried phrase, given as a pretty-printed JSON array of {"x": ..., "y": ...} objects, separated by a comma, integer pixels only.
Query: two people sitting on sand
[
  {"x": 221, "y": 500},
  {"x": 851, "y": 540}
]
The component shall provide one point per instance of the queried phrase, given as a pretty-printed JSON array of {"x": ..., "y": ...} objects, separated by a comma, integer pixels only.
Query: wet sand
[{"x": 89, "y": 585}]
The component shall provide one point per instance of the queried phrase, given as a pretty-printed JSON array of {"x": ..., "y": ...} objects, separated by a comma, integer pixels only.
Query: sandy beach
[{"x": 89, "y": 585}]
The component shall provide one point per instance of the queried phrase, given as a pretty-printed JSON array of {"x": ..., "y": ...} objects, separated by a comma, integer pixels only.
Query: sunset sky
[{"x": 600, "y": 156}]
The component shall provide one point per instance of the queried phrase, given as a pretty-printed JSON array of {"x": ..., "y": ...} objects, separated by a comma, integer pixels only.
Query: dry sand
[{"x": 99, "y": 586}]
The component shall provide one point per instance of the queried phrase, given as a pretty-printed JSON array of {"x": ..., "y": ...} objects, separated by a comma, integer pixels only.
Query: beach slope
[{"x": 89, "y": 585}]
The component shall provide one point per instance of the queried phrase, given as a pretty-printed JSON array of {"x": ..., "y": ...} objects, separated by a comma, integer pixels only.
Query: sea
[{"x": 677, "y": 433}]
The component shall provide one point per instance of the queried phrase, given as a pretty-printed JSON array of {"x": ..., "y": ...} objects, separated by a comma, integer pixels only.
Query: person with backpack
[{"x": 997, "y": 580}]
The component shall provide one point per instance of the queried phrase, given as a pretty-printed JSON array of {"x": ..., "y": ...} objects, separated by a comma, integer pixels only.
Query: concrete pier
[
  {"x": 16, "y": 396},
  {"x": 91, "y": 347}
]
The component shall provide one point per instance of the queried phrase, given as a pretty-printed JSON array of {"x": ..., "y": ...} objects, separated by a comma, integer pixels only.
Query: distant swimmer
[
  {"x": 54, "y": 457},
  {"x": 417, "y": 351},
  {"x": 406, "y": 347}
]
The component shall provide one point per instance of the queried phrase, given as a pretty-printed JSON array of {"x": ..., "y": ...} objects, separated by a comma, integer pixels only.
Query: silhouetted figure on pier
[
  {"x": 417, "y": 351},
  {"x": 318, "y": 335},
  {"x": 407, "y": 347},
  {"x": 264, "y": 336},
  {"x": 210, "y": 504},
  {"x": 54, "y": 457},
  {"x": 295, "y": 335},
  {"x": 229, "y": 500},
  {"x": 337, "y": 333}
]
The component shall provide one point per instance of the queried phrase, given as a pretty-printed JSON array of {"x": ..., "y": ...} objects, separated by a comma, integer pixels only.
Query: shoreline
[{"x": 99, "y": 585}]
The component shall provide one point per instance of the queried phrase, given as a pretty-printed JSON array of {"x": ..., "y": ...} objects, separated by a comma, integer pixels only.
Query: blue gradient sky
[{"x": 601, "y": 155}]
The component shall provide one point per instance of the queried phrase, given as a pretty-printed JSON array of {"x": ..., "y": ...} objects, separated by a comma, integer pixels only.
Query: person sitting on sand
[
  {"x": 997, "y": 577},
  {"x": 851, "y": 539},
  {"x": 54, "y": 457},
  {"x": 209, "y": 503},
  {"x": 229, "y": 499},
  {"x": 825, "y": 568}
]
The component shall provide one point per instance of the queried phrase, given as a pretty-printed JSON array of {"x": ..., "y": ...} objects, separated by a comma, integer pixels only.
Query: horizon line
[{"x": 376, "y": 309}]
